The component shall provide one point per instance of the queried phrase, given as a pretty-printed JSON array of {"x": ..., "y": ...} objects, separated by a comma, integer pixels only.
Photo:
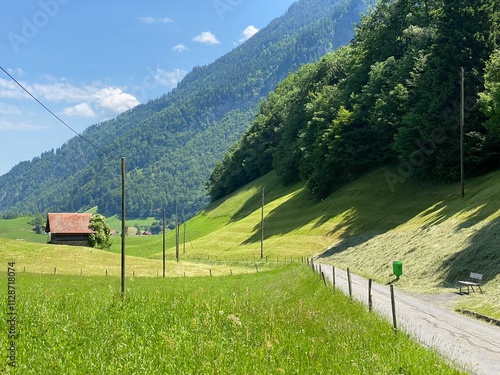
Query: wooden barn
[{"x": 68, "y": 229}]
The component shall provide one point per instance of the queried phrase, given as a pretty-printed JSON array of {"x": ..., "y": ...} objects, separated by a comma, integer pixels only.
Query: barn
[{"x": 68, "y": 229}]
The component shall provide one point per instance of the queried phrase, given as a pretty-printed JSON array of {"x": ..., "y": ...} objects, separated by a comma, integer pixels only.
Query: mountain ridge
[{"x": 219, "y": 98}]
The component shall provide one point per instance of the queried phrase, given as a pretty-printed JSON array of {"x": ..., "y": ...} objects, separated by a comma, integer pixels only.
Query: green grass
[
  {"x": 85, "y": 261},
  {"x": 115, "y": 222},
  {"x": 282, "y": 321},
  {"x": 439, "y": 236},
  {"x": 20, "y": 228}
]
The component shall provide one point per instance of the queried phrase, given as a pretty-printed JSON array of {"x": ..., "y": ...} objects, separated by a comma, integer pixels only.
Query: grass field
[
  {"x": 278, "y": 322},
  {"x": 439, "y": 236},
  {"x": 20, "y": 228}
]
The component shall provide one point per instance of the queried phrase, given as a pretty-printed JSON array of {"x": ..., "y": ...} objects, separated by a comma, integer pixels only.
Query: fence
[{"x": 324, "y": 271}]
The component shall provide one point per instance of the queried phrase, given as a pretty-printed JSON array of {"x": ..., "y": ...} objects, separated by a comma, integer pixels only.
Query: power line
[{"x": 52, "y": 113}]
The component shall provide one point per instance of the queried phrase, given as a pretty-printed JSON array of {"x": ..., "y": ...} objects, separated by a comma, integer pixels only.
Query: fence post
[
  {"x": 393, "y": 303},
  {"x": 370, "y": 304},
  {"x": 54, "y": 270},
  {"x": 333, "y": 277},
  {"x": 349, "y": 282},
  {"x": 324, "y": 279}
]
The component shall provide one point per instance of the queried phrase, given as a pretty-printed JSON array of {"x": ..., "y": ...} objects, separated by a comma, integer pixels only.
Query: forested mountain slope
[
  {"x": 391, "y": 96},
  {"x": 172, "y": 143}
]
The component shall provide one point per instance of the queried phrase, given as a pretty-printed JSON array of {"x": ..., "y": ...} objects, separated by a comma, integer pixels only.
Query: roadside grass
[{"x": 282, "y": 321}]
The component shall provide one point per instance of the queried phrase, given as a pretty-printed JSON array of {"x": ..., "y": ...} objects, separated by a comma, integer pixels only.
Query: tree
[
  {"x": 100, "y": 237},
  {"x": 463, "y": 37},
  {"x": 490, "y": 98},
  {"x": 38, "y": 224}
]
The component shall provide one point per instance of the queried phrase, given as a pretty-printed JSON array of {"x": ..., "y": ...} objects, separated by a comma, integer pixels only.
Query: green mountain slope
[
  {"x": 172, "y": 143},
  {"x": 439, "y": 236},
  {"x": 392, "y": 94}
]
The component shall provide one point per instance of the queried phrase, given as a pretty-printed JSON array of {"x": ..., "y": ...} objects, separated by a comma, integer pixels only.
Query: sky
[{"x": 88, "y": 61}]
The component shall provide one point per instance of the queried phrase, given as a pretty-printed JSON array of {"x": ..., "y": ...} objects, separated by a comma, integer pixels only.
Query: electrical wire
[{"x": 53, "y": 114}]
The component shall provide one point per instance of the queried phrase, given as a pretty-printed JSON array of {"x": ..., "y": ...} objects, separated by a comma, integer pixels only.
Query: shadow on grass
[
  {"x": 480, "y": 256},
  {"x": 273, "y": 189},
  {"x": 356, "y": 214},
  {"x": 366, "y": 209}
]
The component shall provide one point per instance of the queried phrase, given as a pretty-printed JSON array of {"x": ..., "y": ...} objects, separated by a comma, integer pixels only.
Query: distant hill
[{"x": 171, "y": 144}]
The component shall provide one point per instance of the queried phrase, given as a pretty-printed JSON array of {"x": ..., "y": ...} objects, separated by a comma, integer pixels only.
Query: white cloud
[
  {"x": 114, "y": 100},
  {"x": 105, "y": 102},
  {"x": 7, "y": 109},
  {"x": 180, "y": 48},
  {"x": 6, "y": 125},
  {"x": 206, "y": 37},
  {"x": 169, "y": 78},
  {"x": 80, "y": 110},
  {"x": 10, "y": 90},
  {"x": 94, "y": 100},
  {"x": 61, "y": 91},
  {"x": 151, "y": 20},
  {"x": 248, "y": 33},
  {"x": 17, "y": 73}
]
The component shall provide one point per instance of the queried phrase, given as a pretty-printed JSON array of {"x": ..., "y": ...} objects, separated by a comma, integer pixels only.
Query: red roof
[{"x": 68, "y": 223}]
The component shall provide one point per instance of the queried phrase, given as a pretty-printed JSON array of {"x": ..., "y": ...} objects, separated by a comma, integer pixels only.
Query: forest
[
  {"x": 391, "y": 97},
  {"x": 172, "y": 144}
]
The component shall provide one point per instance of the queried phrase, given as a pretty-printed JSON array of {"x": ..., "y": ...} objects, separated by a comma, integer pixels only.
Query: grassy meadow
[
  {"x": 279, "y": 322},
  {"x": 71, "y": 318}
]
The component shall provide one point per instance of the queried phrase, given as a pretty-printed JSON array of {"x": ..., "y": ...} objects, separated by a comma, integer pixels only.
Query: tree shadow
[
  {"x": 357, "y": 215},
  {"x": 480, "y": 256}
]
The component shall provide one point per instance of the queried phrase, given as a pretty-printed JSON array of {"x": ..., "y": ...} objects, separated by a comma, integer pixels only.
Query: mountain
[{"x": 171, "y": 144}]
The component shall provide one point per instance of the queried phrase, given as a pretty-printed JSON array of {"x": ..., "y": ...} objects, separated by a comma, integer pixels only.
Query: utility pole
[
  {"x": 184, "y": 240},
  {"x": 176, "y": 233},
  {"x": 164, "y": 241},
  {"x": 123, "y": 230},
  {"x": 462, "y": 120},
  {"x": 262, "y": 227}
]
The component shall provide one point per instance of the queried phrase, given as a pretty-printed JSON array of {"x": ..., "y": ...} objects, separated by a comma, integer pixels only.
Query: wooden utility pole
[
  {"x": 462, "y": 120},
  {"x": 176, "y": 233},
  {"x": 262, "y": 227},
  {"x": 184, "y": 240},
  {"x": 123, "y": 229},
  {"x": 164, "y": 240}
]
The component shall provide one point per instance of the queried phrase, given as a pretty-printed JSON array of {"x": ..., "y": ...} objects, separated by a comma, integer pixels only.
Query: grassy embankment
[
  {"x": 282, "y": 321},
  {"x": 439, "y": 236}
]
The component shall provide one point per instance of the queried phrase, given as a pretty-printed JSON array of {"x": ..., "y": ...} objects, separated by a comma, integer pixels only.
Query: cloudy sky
[{"x": 89, "y": 60}]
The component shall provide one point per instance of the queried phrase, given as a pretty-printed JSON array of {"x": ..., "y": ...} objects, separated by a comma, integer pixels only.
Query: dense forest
[
  {"x": 172, "y": 144},
  {"x": 391, "y": 97}
]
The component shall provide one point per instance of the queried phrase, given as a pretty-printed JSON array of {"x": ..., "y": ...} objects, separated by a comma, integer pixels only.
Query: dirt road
[{"x": 469, "y": 343}]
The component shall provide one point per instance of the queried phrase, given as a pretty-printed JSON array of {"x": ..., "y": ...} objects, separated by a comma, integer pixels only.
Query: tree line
[{"x": 391, "y": 97}]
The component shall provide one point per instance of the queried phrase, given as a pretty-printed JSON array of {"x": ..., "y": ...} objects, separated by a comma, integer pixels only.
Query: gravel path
[{"x": 469, "y": 343}]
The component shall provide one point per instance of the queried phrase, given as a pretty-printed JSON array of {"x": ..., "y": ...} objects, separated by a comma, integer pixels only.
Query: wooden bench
[{"x": 474, "y": 280}]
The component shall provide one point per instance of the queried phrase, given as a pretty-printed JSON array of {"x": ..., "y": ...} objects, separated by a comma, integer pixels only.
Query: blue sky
[{"x": 90, "y": 60}]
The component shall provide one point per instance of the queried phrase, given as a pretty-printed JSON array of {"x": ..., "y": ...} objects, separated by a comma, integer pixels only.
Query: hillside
[
  {"x": 171, "y": 144},
  {"x": 439, "y": 236},
  {"x": 392, "y": 95}
]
